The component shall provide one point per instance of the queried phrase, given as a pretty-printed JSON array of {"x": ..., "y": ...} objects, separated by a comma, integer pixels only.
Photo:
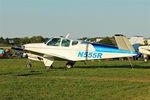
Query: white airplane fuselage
[
  {"x": 145, "y": 50},
  {"x": 73, "y": 51},
  {"x": 79, "y": 51}
]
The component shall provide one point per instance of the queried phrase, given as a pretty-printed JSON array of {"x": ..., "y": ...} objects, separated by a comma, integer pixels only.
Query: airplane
[
  {"x": 137, "y": 41},
  {"x": 145, "y": 50},
  {"x": 63, "y": 48}
]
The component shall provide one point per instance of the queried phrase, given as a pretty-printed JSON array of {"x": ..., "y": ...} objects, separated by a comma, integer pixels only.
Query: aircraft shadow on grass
[
  {"x": 122, "y": 66},
  {"x": 30, "y": 74},
  {"x": 27, "y": 74}
]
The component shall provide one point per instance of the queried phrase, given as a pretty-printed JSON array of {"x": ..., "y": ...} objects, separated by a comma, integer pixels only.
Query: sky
[{"x": 80, "y": 18}]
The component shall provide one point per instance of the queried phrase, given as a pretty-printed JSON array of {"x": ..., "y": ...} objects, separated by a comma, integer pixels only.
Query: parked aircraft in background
[
  {"x": 145, "y": 50},
  {"x": 138, "y": 42},
  {"x": 72, "y": 51}
]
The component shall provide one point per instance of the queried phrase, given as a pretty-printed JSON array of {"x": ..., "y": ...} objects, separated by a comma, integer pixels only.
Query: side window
[
  {"x": 74, "y": 43},
  {"x": 54, "y": 42},
  {"x": 65, "y": 43}
]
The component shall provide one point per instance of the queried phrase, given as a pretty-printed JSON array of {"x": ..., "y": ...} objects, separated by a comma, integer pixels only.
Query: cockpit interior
[{"x": 64, "y": 42}]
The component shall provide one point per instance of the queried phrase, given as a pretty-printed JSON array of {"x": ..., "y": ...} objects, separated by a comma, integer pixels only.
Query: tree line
[
  {"x": 39, "y": 39},
  {"x": 104, "y": 40},
  {"x": 21, "y": 41}
]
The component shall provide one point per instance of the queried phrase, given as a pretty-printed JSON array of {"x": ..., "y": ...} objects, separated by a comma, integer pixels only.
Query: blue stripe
[
  {"x": 102, "y": 45},
  {"x": 105, "y": 48}
]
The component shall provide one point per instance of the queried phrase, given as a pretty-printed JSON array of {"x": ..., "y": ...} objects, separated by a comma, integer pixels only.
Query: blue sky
[{"x": 81, "y": 18}]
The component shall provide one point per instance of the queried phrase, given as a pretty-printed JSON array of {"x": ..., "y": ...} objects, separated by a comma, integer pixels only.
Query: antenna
[{"x": 67, "y": 35}]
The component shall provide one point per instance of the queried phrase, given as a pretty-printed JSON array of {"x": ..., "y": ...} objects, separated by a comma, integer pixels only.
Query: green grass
[{"x": 105, "y": 80}]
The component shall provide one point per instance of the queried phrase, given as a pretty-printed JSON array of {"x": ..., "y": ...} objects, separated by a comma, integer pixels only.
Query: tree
[
  {"x": 17, "y": 41},
  {"x": 1, "y": 40},
  {"x": 107, "y": 41},
  {"x": 7, "y": 41},
  {"x": 36, "y": 39},
  {"x": 84, "y": 38},
  {"x": 24, "y": 40},
  {"x": 113, "y": 41}
]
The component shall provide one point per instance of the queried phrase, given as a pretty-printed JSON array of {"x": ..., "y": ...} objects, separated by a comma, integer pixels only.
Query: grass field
[{"x": 105, "y": 80}]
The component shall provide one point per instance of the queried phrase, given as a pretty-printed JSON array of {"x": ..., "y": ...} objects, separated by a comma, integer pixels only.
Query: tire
[
  {"x": 145, "y": 60},
  {"x": 68, "y": 66}
]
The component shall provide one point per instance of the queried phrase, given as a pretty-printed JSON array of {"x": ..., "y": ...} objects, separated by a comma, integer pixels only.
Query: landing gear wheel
[
  {"x": 70, "y": 65},
  {"x": 145, "y": 60}
]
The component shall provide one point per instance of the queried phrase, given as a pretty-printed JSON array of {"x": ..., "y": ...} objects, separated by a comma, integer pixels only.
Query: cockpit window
[
  {"x": 46, "y": 40},
  {"x": 54, "y": 42},
  {"x": 65, "y": 43},
  {"x": 74, "y": 43}
]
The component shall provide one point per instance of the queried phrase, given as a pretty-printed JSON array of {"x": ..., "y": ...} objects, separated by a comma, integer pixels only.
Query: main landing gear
[
  {"x": 70, "y": 64},
  {"x": 145, "y": 58}
]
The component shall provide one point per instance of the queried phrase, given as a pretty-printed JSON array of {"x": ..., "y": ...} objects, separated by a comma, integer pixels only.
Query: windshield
[
  {"x": 46, "y": 40},
  {"x": 54, "y": 42}
]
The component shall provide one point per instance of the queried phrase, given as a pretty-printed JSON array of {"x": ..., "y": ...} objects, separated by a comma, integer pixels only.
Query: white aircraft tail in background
[
  {"x": 123, "y": 43},
  {"x": 137, "y": 41},
  {"x": 145, "y": 50}
]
